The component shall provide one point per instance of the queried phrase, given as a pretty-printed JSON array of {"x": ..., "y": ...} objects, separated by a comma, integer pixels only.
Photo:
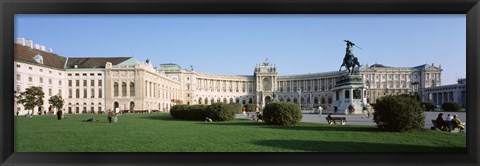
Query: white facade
[
  {"x": 447, "y": 93},
  {"x": 96, "y": 85}
]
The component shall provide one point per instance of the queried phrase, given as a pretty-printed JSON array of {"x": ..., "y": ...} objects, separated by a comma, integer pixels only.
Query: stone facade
[{"x": 101, "y": 84}]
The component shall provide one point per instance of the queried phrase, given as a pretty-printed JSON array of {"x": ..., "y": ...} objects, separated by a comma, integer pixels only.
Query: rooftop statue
[
  {"x": 266, "y": 62},
  {"x": 350, "y": 61}
]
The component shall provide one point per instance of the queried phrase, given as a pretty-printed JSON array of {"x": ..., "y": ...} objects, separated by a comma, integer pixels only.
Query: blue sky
[{"x": 234, "y": 44}]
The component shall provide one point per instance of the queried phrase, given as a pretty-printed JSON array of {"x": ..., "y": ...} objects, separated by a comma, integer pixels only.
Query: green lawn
[{"x": 161, "y": 133}]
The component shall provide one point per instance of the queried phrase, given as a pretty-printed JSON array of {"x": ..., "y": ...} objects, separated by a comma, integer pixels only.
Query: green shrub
[
  {"x": 217, "y": 112},
  {"x": 398, "y": 113},
  {"x": 451, "y": 106},
  {"x": 250, "y": 107},
  {"x": 221, "y": 112},
  {"x": 282, "y": 113},
  {"x": 236, "y": 107},
  {"x": 428, "y": 106}
]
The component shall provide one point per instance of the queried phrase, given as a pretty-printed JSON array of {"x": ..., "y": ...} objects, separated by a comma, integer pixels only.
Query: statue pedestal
[{"x": 350, "y": 90}]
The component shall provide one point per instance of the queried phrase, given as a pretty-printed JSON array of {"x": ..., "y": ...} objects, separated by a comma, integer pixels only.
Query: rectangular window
[
  {"x": 19, "y": 77},
  {"x": 99, "y": 74},
  {"x": 18, "y": 65},
  {"x": 92, "y": 83},
  {"x": 84, "y": 74},
  {"x": 84, "y": 82},
  {"x": 50, "y": 81},
  {"x": 77, "y": 83},
  {"x": 99, "y": 82},
  {"x": 41, "y": 70},
  {"x": 92, "y": 109},
  {"x": 30, "y": 68},
  {"x": 50, "y": 91},
  {"x": 69, "y": 74},
  {"x": 41, "y": 80},
  {"x": 92, "y": 74},
  {"x": 60, "y": 92},
  {"x": 76, "y": 74},
  {"x": 84, "y": 92},
  {"x": 69, "y": 83},
  {"x": 100, "y": 93},
  {"x": 59, "y": 82},
  {"x": 99, "y": 109},
  {"x": 50, "y": 72},
  {"x": 77, "y": 93},
  {"x": 92, "y": 95},
  {"x": 70, "y": 93}
]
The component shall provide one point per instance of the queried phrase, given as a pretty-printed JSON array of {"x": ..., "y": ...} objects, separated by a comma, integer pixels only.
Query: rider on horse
[{"x": 349, "y": 60}]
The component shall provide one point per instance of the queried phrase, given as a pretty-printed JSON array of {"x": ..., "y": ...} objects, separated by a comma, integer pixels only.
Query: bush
[
  {"x": 236, "y": 107},
  {"x": 217, "y": 112},
  {"x": 282, "y": 113},
  {"x": 250, "y": 107},
  {"x": 451, "y": 106},
  {"x": 429, "y": 106},
  {"x": 221, "y": 112},
  {"x": 398, "y": 113}
]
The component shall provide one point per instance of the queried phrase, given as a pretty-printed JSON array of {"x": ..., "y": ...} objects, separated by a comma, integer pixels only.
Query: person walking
[{"x": 110, "y": 116}]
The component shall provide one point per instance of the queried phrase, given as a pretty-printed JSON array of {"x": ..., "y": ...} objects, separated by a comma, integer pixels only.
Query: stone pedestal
[{"x": 347, "y": 91}]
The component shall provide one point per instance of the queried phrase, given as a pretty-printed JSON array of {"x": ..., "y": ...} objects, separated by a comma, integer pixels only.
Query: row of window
[
  {"x": 85, "y": 74},
  {"x": 40, "y": 69},
  {"x": 77, "y": 83},
  {"x": 92, "y": 93}
]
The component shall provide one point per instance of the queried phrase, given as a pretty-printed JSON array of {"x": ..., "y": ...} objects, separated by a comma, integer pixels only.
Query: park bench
[
  {"x": 455, "y": 127},
  {"x": 342, "y": 120}
]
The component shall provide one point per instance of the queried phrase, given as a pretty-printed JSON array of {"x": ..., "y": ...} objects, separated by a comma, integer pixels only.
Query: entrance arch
[
  {"x": 132, "y": 106},
  {"x": 268, "y": 99},
  {"x": 115, "y": 105}
]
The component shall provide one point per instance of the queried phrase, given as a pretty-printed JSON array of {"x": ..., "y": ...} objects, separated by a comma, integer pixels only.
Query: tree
[
  {"x": 56, "y": 101},
  {"x": 32, "y": 97}
]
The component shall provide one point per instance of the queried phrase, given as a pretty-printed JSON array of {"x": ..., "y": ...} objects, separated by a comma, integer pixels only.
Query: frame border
[{"x": 9, "y": 8}]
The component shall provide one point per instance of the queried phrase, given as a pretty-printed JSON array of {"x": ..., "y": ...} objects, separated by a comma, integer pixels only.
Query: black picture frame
[{"x": 10, "y": 7}]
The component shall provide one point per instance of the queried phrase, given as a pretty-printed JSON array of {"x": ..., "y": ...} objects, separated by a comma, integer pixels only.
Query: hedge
[
  {"x": 428, "y": 106},
  {"x": 217, "y": 112},
  {"x": 250, "y": 107},
  {"x": 282, "y": 113},
  {"x": 451, "y": 106}
]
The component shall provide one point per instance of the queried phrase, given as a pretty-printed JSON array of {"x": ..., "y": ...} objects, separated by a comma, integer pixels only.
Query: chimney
[
  {"x": 21, "y": 41},
  {"x": 37, "y": 46},
  {"x": 29, "y": 43},
  {"x": 42, "y": 47},
  {"x": 50, "y": 50}
]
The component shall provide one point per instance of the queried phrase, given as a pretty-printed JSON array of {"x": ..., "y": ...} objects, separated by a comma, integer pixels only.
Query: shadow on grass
[
  {"x": 160, "y": 117},
  {"x": 317, "y": 127},
  {"x": 324, "y": 146}
]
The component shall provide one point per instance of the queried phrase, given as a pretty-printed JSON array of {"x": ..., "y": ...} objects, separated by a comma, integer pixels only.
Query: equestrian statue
[{"x": 350, "y": 61}]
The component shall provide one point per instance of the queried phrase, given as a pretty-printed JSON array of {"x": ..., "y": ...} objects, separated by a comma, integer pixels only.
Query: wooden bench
[
  {"x": 334, "y": 120},
  {"x": 436, "y": 127}
]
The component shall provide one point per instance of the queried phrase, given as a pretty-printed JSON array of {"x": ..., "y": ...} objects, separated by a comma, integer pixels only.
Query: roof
[
  {"x": 94, "y": 62},
  {"x": 379, "y": 65},
  {"x": 26, "y": 54}
]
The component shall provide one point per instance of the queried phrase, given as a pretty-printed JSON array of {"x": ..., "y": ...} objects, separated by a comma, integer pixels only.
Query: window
[
  {"x": 18, "y": 66},
  {"x": 30, "y": 68},
  {"x": 41, "y": 80},
  {"x": 99, "y": 82},
  {"x": 99, "y": 74},
  {"x": 76, "y": 74},
  {"x": 50, "y": 91},
  {"x": 77, "y": 95},
  {"x": 99, "y": 109},
  {"x": 59, "y": 82},
  {"x": 69, "y": 83},
  {"x": 92, "y": 74},
  {"x": 132, "y": 89},
  {"x": 100, "y": 93},
  {"x": 69, "y": 74},
  {"x": 115, "y": 89},
  {"x": 77, "y": 83},
  {"x": 69, "y": 93},
  {"x": 84, "y": 74},
  {"x": 124, "y": 89},
  {"x": 84, "y": 82},
  {"x": 50, "y": 81},
  {"x": 92, "y": 83},
  {"x": 84, "y": 92},
  {"x": 19, "y": 77},
  {"x": 92, "y": 94},
  {"x": 50, "y": 71},
  {"x": 60, "y": 92}
]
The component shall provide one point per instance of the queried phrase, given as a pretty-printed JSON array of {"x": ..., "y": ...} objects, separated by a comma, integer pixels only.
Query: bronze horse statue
[{"x": 349, "y": 61}]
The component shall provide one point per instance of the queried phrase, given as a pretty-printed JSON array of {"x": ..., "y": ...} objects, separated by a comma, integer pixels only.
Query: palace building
[{"x": 96, "y": 84}]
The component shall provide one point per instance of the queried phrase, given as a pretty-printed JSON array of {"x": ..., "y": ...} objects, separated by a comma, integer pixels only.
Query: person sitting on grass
[
  {"x": 456, "y": 122},
  {"x": 207, "y": 119},
  {"x": 90, "y": 120}
]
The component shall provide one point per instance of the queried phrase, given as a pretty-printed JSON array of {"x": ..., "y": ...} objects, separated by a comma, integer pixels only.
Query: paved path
[{"x": 358, "y": 120}]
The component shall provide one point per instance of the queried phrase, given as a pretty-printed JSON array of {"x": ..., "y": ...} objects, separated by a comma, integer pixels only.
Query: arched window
[
  {"x": 200, "y": 100},
  {"x": 124, "y": 89},
  {"x": 132, "y": 89},
  {"x": 267, "y": 85},
  {"x": 115, "y": 89},
  {"x": 224, "y": 100}
]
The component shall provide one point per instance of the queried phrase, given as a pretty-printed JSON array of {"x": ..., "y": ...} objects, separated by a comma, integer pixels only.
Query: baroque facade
[{"x": 100, "y": 84}]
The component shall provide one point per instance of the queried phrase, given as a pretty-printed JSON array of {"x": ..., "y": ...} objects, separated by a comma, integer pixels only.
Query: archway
[
  {"x": 115, "y": 105},
  {"x": 132, "y": 106},
  {"x": 267, "y": 99}
]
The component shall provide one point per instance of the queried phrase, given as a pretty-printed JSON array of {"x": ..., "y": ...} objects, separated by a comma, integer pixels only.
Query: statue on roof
[
  {"x": 266, "y": 62},
  {"x": 191, "y": 67}
]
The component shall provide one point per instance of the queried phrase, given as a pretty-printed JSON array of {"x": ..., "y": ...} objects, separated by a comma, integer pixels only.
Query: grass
[{"x": 161, "y": 133}]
